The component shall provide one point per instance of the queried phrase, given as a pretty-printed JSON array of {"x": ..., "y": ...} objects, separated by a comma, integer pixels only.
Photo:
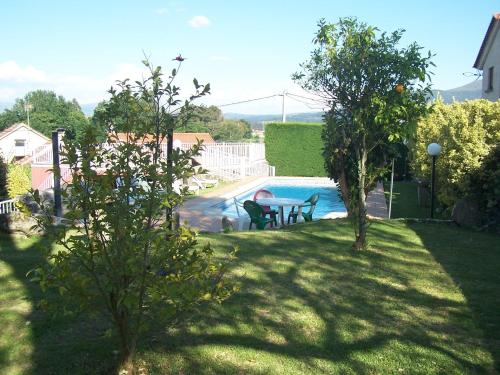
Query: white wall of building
[
  {"x": 492, "y": 60},
  {"x": 32, "y": 141}
]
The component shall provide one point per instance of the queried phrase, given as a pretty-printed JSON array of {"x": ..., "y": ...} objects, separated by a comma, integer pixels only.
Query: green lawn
[
  {"x": 405, "y": 201},
  {"x": 424, "y": 299}
]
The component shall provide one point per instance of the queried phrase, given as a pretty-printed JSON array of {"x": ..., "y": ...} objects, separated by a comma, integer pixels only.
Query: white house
[
  {"x": 488, "y": 60},
  {"x": 20, "y": 140}
]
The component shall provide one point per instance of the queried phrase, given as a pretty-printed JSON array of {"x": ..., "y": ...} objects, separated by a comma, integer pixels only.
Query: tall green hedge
[{"x": 295, "y": 149}]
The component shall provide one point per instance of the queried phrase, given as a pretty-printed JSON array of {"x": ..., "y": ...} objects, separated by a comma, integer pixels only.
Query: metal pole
[
  {"x": 57, "y": 174},
  {"x": 433, "y": 183},
  {"x": 392, "y": 184},
  {"x": 283, "y": 113}
]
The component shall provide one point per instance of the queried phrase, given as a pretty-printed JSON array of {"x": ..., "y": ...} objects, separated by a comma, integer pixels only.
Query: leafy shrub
[
  {"x": 295, "y": 149},
  {"x": 485, "y": 187},
  {"x": 18, "y": 180},
  {"x": 3, "y": 179},
  {"x": 466, "y": 132}
]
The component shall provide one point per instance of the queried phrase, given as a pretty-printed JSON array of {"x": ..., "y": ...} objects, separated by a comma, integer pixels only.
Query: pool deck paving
[{"x": 200, "y": 214}]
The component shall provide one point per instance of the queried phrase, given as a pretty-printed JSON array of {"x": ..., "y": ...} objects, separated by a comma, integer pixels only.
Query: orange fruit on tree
[{"x": 399, "y": 88}]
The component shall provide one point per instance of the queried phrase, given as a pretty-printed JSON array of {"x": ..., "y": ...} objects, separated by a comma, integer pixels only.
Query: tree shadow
[
  {"x": 472, "y": 259},
  {"x": 306, "y": 299},
  {"x": 34, "y": 341},
  {"x": 307, "y": 304}
]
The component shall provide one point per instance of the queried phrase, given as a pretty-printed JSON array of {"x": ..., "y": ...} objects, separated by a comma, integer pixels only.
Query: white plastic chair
[{"x": 204, "y": 182}]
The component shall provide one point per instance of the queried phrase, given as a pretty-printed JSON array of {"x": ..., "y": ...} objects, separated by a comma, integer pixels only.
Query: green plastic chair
[
  {"x": 255, "y": 212},
  {"x": 308, "y": 216}
]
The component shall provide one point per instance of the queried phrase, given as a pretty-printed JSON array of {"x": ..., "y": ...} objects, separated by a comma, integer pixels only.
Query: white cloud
[
  {"x": 131, "y": 71},
  {"x": 161, "y": 11},
  {"x": 218, "y": 58},
  {"x": 7, "y": 94},
  {"x": 16, "y": 81},
  {"x": 199, "y": 21},
  {"x": 12, "y": 71}
]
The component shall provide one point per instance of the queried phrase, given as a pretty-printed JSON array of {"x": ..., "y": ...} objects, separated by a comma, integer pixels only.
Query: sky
[{"x": 244, "y": 49}]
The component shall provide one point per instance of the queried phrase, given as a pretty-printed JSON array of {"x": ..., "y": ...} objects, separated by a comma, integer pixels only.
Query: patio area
[{"x": 201, "y": 214}]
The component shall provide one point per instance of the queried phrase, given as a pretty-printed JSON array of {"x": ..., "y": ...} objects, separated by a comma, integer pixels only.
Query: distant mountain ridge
[
  {"x": 257, "y": 121},
  {"x": 469, "y": 91}
]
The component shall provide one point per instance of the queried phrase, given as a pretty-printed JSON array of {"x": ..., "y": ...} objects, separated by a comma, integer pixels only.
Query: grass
[
  {"x": 405, "y": 201},
  {"x": 423, "y": 300}
]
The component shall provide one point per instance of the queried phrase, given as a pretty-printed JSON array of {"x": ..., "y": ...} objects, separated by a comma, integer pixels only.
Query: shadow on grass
[
  {"x": 311, "y": 305},
  {"x": 307, "y": 304},
  {"x": 473, "y": 261},
  {"x": 33, "y": 341}
]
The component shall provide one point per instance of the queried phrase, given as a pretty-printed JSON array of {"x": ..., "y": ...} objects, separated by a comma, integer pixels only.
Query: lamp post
[
  {"x": 56, "y": 142},
  {"x": 433, "y": 150}
]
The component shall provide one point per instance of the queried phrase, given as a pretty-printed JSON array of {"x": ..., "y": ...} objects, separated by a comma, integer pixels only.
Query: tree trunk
[
  {"x": 361, "y": 212},
  {"x": 127, "y": 345},
  {"x": 344, "y": 187}
]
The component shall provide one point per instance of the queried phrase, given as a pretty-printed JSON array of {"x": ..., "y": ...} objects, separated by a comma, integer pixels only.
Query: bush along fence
[
  {"x": 295, "y": 149},
  {"x": 467, "y": 168}
]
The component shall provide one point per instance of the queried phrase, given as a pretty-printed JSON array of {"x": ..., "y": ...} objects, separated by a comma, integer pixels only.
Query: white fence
[
  {"x": 42, "y": 155},
  {"x": 227, "y": 161},
  {"x": 8, "y": 206},
  {"x": 48, "y": 183},
  {"x": 232, "y": 161}
]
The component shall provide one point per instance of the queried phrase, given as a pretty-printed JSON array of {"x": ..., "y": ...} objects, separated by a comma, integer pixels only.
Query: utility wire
[
  {"x": 305, "y": 97},
  {"x": 249, "y": 100},
  {"x": 309, "y": 105}
]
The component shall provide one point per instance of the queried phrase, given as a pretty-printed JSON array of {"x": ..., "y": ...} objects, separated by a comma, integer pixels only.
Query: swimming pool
[{"x": 329, "y": 204}]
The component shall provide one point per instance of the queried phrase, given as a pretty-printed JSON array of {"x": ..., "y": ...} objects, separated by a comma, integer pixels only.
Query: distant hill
[
  {"x": 469, "y": 91},
  {"x": 258, "y": 120}
]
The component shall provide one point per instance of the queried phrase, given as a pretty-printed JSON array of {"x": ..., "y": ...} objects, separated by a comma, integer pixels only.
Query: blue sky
[{"x": 245, "y": 49}]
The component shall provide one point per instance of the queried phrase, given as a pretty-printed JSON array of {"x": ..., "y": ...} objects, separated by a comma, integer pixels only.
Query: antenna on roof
[{"x": 478, "y": 74}]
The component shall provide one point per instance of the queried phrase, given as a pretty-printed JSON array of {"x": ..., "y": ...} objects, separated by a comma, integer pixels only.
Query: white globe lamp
[{"x": 434, "y": 149}]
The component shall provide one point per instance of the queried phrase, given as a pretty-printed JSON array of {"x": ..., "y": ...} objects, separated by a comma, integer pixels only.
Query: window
[
  {"x": 20, "y": 142},
  {"x": 490, "y": 79}
]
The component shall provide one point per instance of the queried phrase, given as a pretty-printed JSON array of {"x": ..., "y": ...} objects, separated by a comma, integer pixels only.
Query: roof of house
[
  {"x": 487, "y": 41},
  {"x": 4, "y": 133},
  {"x": 183, "y": 137}
]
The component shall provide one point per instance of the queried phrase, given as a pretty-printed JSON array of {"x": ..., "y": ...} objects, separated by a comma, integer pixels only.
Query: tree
[
  {"x": 375, "y": 93},
  {"x": 120, "y": 255},
  {"x": 206, "y": 114},
  {"x": 466, "y": 131},
  {"x": 18, "y": 180},
  {"x": 231, "y": 130},
  {"x": 48, "y": 112},
  {"x": 211, "y": 120},
  {"x": 484, "y": 188}
]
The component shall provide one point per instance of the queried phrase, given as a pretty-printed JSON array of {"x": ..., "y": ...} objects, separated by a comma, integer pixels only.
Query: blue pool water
[{"x": 329, "y": 199}]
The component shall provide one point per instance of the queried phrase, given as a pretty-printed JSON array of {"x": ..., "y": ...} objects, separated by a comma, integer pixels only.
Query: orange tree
[{"x": 375, "y": 92}]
